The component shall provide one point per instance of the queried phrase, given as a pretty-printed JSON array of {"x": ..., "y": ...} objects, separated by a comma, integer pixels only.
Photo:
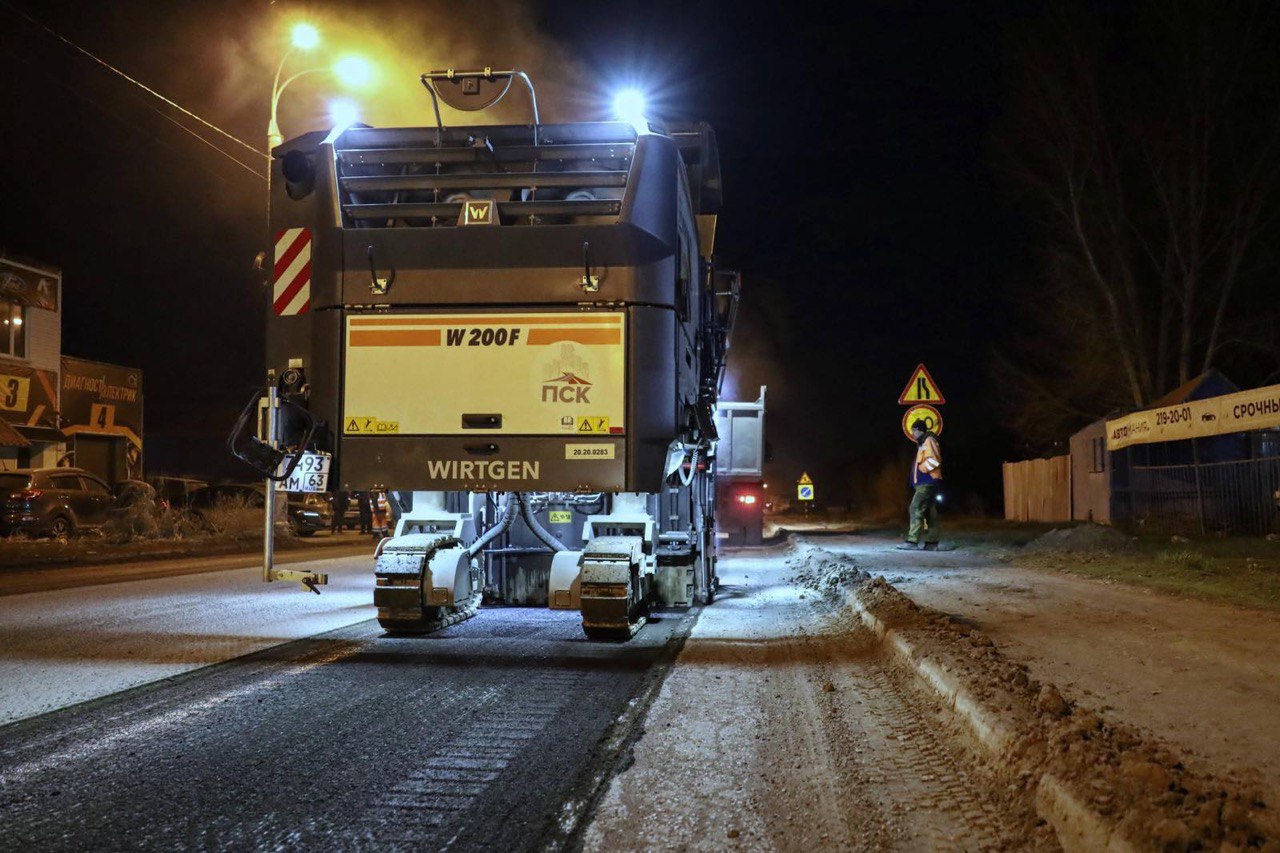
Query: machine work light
[
  {"x": 343, "y": 113},
  {"x": 629, "y": 106}
]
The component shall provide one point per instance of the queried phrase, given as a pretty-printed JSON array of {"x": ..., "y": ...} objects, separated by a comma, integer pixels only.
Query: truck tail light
[{"x": 746, "y": 499}]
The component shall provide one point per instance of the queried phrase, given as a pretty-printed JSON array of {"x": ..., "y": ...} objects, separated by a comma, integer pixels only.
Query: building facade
[
  {"x": 55, "y": 409},
  {"x": 30, "y": 364}
]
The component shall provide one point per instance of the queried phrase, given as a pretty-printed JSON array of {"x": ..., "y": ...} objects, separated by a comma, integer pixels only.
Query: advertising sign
[
  {"x": 101, "y": 399},
  {"x": 1258, "y": 408},
  {"x": 28, "y": 397},
  {"x": 28, "y": 285}
]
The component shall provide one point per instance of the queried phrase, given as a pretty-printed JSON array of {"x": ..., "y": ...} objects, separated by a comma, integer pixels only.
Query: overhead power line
[{"x": 54, "y": 33}]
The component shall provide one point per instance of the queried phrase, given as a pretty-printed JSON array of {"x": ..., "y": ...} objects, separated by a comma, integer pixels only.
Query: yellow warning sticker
[
  {"x": 361, "y": 425},
  {"x": 561, "y": 516},
  {"x": 593, "y": 424},
  {"x": 588, "y": 451}
]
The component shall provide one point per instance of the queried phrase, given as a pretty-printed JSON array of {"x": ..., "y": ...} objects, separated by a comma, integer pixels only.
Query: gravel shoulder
[
  {"x": 782, "y": 726},
  {"x": 1203, "y": 677}
]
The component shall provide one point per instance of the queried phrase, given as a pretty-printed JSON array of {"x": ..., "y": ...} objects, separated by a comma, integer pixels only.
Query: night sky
[{"x": 860, "y": 206}]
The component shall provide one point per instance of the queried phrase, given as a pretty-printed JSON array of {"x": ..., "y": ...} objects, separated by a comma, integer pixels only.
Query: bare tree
[{"x": 1145, "y": 145}]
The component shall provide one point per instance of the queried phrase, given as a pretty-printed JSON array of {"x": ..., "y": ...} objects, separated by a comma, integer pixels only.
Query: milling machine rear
[{"x": 519, "y": 331}]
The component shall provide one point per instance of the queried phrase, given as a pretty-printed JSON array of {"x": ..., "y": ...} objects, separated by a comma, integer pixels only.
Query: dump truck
[
  {"x": 518, "y": 331},
  {"x": 740, "y": 452}
]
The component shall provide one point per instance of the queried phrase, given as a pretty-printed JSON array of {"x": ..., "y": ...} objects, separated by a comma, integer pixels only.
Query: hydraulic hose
[
  {"x": 536, "y": 527},
  {"x": 507, "y": 518}
]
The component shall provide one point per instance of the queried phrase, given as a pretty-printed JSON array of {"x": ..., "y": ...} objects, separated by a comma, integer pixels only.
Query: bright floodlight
[
  {"x": 305, "y": 36},
  {"x": 353, "y": 71},
  {"x": 343, "y": 113},
  {"x": 628, "y": 106}
]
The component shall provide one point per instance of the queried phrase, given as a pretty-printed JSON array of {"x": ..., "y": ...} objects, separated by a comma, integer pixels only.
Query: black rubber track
[{"x": 470, "y": 738}]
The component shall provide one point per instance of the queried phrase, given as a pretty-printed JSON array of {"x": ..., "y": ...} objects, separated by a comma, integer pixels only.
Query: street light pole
[{"x": 274, "y": 137}]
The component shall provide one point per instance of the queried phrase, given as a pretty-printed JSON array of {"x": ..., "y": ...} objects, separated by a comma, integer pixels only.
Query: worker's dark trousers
[{"x": 924, "y": 514}]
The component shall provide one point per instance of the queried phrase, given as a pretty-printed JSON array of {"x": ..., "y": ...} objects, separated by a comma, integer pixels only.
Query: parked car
[
  {"x": 53, "y": 501},
  {"x": 307, "y": 512},
  {"x": 176, "y": 492}
]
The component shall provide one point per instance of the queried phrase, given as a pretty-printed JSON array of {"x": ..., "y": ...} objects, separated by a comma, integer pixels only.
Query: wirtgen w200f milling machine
[{"x": 517, "y": 329}]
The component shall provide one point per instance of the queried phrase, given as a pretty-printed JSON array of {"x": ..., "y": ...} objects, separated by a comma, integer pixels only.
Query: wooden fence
[{"x": 1038, "y": 490}]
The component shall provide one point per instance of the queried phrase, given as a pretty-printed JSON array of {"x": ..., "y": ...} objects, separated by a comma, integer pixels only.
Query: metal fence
[{"x": 1230, "y": 497}]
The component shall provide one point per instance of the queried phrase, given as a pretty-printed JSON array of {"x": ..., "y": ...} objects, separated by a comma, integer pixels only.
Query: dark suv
[{"x": 53, "y": 501}]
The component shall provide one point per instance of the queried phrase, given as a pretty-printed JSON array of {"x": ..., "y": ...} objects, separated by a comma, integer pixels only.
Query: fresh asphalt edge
[
  {"x": 1077, "y": 826},
  {"x": 613, "y": 754}
]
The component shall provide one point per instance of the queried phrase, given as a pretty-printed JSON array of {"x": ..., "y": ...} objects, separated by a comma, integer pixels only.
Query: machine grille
[{"x": 421, "y": 177}]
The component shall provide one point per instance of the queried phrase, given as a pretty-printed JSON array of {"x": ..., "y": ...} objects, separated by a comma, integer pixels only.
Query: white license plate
[{"x": 311, "y": 475}]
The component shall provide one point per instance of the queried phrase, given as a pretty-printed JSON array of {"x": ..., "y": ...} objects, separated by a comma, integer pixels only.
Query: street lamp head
[
  {"x": 305, "y": 36},
  {"x": 353, "y": 71}
]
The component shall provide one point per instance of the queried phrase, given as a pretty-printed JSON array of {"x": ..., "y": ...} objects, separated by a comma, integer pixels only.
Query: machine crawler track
[{"x": 427, "y": 619}]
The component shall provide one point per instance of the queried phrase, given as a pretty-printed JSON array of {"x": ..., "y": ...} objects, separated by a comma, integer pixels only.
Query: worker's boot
[
  {"x": 907, "y": 546},
  {"x": 931, "y": 546}
]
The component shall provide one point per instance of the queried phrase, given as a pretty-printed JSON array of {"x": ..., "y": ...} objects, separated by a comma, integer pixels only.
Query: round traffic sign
[{"x": 931, "y": 417}]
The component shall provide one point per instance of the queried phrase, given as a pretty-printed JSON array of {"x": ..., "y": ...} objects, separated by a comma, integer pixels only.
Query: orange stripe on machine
[
  {"x": 544, "y": 337},
  {"x": 396, "y": 338}
]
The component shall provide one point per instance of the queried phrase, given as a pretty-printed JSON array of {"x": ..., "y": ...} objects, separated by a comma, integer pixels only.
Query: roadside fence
[
  {"x": 1038, "y": 489},
  {"x": 1216, "y": 497}
]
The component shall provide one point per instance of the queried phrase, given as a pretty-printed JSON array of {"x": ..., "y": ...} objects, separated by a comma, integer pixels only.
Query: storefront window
[{"x": 13, "y": 340}]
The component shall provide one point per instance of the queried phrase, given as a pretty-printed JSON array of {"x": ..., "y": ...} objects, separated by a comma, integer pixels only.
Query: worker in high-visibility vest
[{"x": 926, "y": 480}]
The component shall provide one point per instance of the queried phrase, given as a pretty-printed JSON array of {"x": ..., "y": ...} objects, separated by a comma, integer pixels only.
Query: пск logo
[
  {"x": 566, "y": 388},
  {"x": 568, "y": 382}
]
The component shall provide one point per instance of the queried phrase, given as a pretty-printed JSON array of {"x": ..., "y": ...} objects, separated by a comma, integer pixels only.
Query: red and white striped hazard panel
[{"x": 291, "y": 292}]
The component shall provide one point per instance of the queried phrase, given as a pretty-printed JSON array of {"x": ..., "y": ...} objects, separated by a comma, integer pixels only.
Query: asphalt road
[
  {"x": 473, "y": 738},
  {"x": 64, "y": 646}
]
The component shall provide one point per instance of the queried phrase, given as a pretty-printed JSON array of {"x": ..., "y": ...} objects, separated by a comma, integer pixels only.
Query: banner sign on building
[
  {"x": 101, "y": 399},
  {"x": 1258, "y": 408},
  {"x": 28, "y": 397},
  {"x": 28, "y": 285}
]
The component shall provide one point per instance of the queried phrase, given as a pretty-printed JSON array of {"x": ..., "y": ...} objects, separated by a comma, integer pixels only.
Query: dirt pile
[
  {"x": 821, "y": 571},
  {"x": 1134, "y": 785},
  {"x": 1086, "y": 538}
]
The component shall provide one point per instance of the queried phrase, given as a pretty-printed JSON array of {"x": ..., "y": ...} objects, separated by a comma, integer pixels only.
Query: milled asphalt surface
[{"x": 471, "y": 738}]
